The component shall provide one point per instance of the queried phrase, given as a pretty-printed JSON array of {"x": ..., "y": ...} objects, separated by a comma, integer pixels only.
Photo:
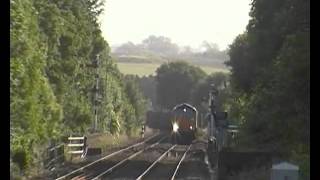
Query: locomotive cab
[{"x": 184, "y": 123}]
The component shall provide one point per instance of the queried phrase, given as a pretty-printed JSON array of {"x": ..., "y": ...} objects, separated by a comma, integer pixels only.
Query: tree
[
  {"x": 136, "y": 99},
  {"x": 270, "y": 79},
  {"x": 148, "y": 87},
  {"x": 200, "y": 94},
  {"x": 160, "y": 45},
  {"x": 175, "y": 83},
  {"x": 53, "y": 72},
  {"x": 128, "y": 49},
  {"x": 35, "y": 115}
]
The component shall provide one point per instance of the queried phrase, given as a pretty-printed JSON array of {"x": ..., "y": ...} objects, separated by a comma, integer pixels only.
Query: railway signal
[
  {"x": 96, "y": 101},
  {"x": 217, "y": 122},
  {"x": 142, "y": 131},
  {"x": 212, "y": 116}
]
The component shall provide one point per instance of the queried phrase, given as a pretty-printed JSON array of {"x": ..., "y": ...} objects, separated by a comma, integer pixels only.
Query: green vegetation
[
  {"x": 53, "y": 45},
  {"x": 107, "y": 142},
  {"x": 200, "y": 94},
  {"x": 270, "y": 79},
  {"x": 140, "y": 69},
  {"x": 180, "y": 82},
  {"x": 175, "y": 83},
  {"x": 146, "y": 69},
  {"x": 210, "y": 70}
]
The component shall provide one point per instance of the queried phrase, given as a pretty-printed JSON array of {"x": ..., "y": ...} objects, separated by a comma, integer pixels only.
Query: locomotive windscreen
[
  {"x": 184, "y": 111},
  {"x": 184, "y": 114}
]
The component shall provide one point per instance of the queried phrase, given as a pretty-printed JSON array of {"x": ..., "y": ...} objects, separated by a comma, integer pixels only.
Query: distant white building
[{"x": 284, "y": 171}]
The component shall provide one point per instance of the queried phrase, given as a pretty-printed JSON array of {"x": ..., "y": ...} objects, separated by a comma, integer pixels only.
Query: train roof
[{"x": 184, "y": 105}]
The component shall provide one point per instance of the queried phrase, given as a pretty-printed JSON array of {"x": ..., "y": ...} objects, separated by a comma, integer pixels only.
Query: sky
[{"x": 185, "y": 22}]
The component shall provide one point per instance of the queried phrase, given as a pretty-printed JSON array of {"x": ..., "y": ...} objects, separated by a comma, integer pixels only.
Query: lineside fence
[
  {"x": 54, "y": 156},
  {"x": 77, "y": 146}
]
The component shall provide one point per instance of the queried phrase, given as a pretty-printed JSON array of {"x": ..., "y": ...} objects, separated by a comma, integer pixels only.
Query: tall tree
[
  {"x": 35, "y": 115},
  {"x": 271, "y": 78},
  {"x": 160, "y": 45},
  {"x": 53, "y": 75},
  {"x": 175, "y": 83},
  {"x": 201, "y": 92}
]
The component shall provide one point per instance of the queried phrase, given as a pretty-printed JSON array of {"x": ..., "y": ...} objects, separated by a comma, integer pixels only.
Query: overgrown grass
[
  {"x": 107, "y": 141},
  {"x": 104, "y": 141},
  {"x": 145, "y": 69}
]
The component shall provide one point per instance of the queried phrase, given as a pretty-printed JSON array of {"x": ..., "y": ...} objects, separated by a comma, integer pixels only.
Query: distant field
[{"x": 145, "y": 69}]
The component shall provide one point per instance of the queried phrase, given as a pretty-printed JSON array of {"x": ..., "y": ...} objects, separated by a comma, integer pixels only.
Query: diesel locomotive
[{"x": 183, "y": 123}]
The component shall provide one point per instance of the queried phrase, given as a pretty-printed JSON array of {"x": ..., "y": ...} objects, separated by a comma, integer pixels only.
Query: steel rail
[
  {"x": 178, "y": 166},
  {"x": 105, "y": 157},
  {"x": 155, "y": 162},
  {"x": 127, "y": 159}
]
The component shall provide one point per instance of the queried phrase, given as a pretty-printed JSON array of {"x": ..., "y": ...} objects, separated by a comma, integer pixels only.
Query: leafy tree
[
  {"x": 35, "y": 114},
  {"x": 270, "y": 79},
  {"x": 53, "y": 72},
  {"x": 175, "y": 83},
  {"x": 161, "y": 45},
  {"x": 127, "y": 48},
  {"x": 135, "y": 98},
  {"x": 201, "y": 92},
  {"x": 148, "y": 87}
]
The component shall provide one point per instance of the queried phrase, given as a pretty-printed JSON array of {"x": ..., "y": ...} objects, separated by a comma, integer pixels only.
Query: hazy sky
[{"x": 185, "y": 22}]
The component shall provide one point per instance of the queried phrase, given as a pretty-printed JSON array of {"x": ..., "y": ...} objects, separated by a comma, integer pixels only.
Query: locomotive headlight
[{"x": 175, "y": 127}]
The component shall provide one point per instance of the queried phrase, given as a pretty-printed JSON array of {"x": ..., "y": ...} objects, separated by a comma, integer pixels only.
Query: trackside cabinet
[{"x": 284, "y": 171}]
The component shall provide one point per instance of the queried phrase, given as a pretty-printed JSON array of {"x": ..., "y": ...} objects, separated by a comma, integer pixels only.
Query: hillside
[{"x": 158, "y": 50}]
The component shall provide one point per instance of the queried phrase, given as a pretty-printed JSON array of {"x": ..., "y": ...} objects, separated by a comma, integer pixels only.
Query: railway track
[
  {"x": 149, "y": 164},
  {"x": 154, "y": 158},
  {"x": 168, "y": 169},
  {"x": 90, "y": 170},
  {"x": 125, "y": 161}
]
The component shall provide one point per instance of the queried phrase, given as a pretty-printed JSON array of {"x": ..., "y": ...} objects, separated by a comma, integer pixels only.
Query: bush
[
  {"x": 20, "y": 158},
  {"x": 14, "y": 171}
]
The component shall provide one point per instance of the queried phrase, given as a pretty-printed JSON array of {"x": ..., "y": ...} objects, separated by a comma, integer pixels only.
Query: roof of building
[{"x": 285, "y": 166}]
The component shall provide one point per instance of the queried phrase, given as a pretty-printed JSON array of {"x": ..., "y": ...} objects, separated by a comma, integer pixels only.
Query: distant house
[{"x": 284, "y": 171}]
